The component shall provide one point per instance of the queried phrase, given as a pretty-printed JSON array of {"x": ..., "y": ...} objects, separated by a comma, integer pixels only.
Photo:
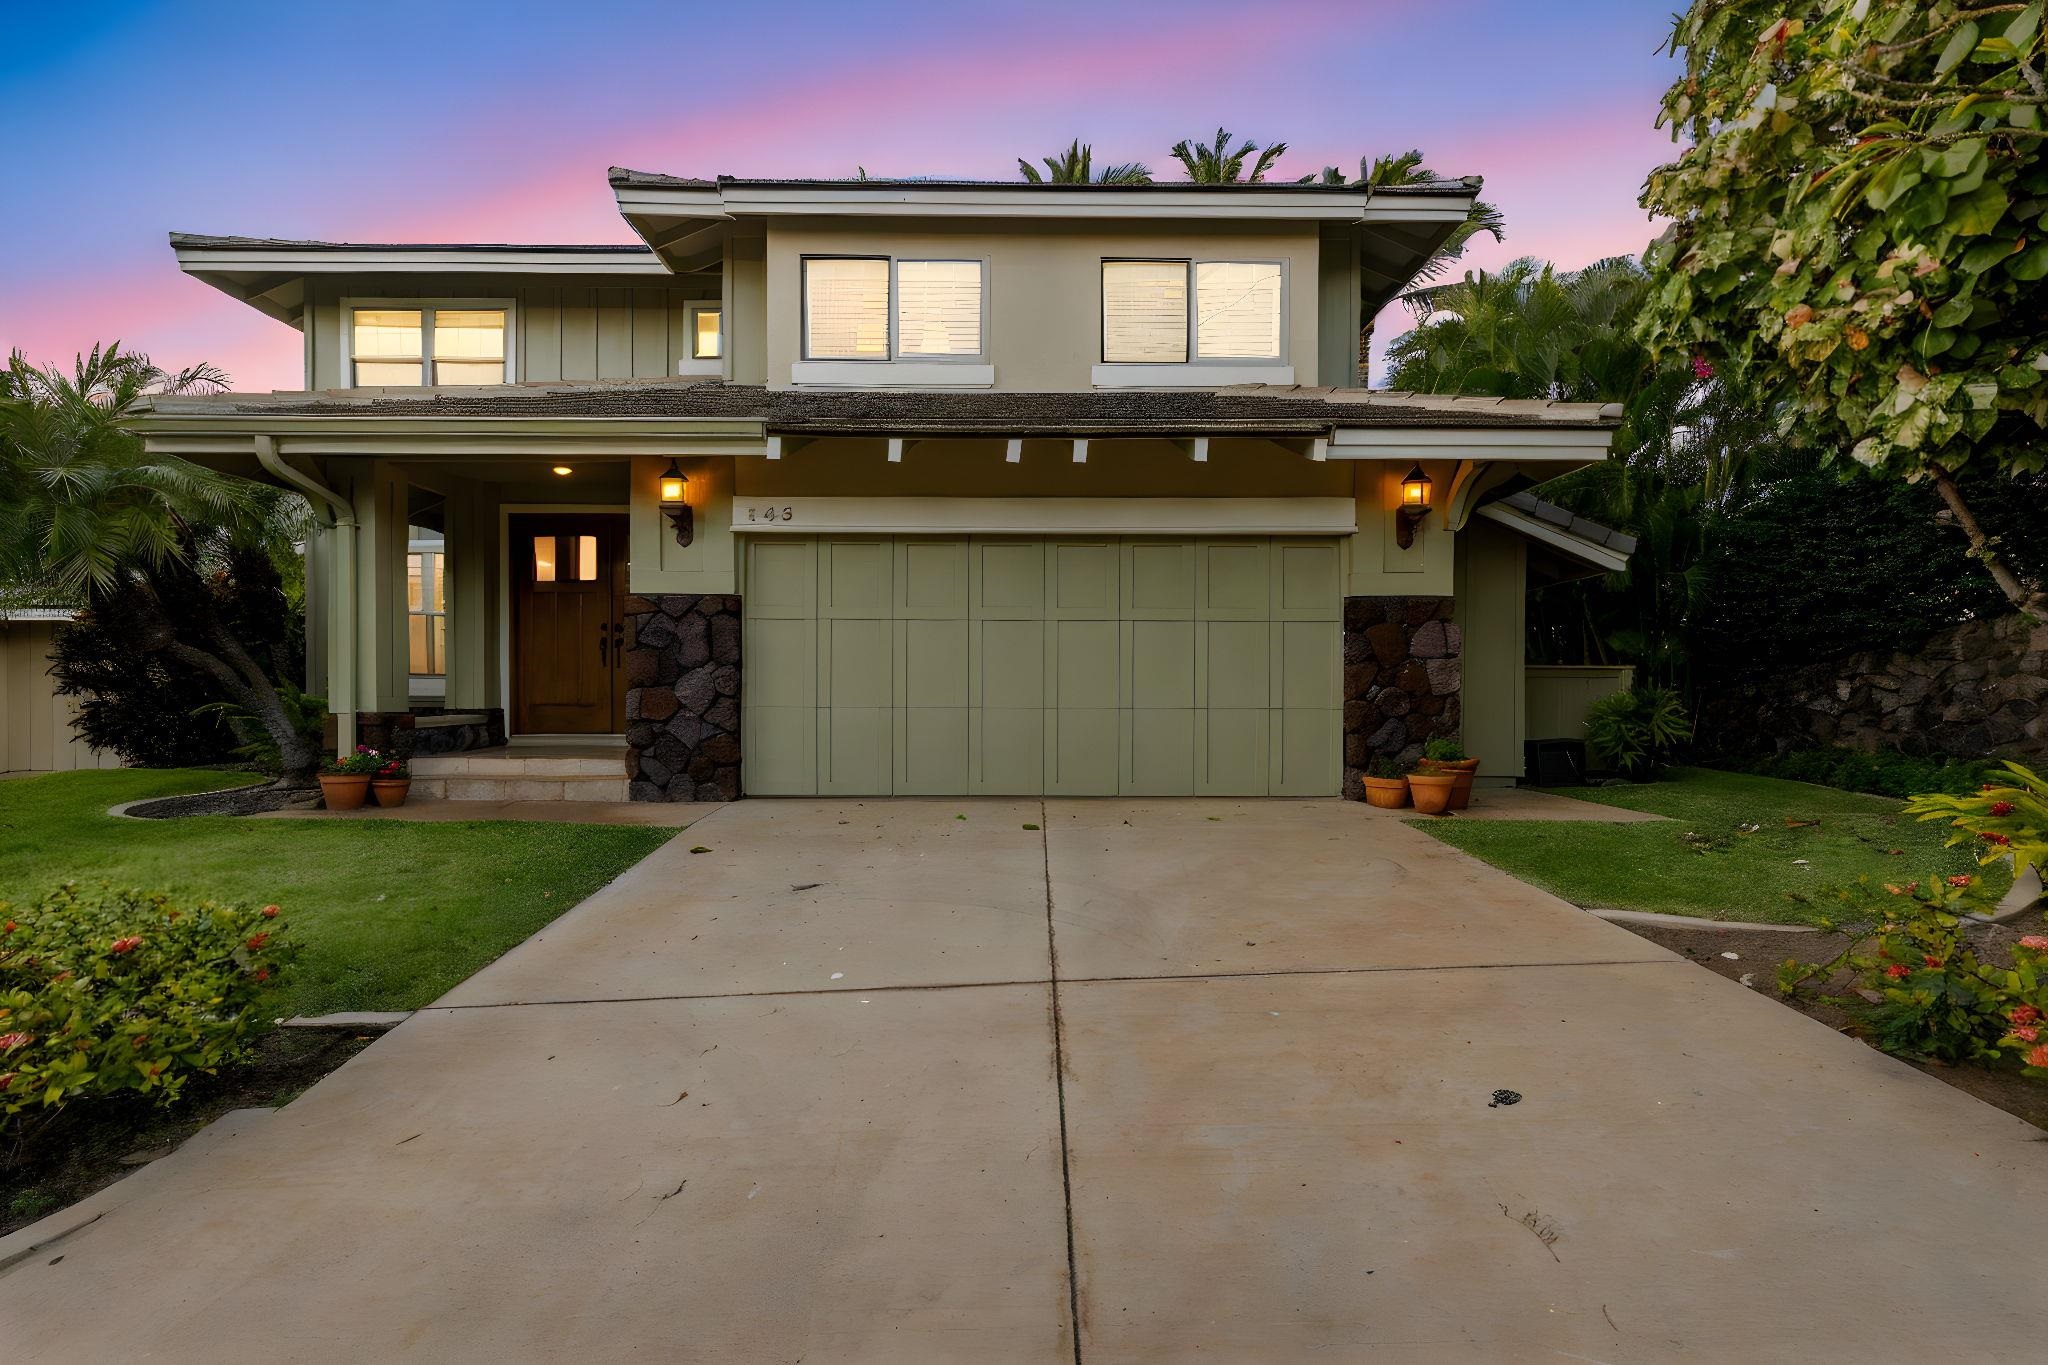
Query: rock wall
[
  {"x": 1980, "y": 690},
  {"x": 683, "y": 698},
  {"x": 1402, "y": 680}
]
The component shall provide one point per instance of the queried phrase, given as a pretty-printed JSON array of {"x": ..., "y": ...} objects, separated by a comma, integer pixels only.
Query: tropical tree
[
  {"x": 1217, "y": 164},
  {"x": 1074, "y": 166},
  {"x": 150, "y": 542},
  {"x": 1857, "y": 231}
]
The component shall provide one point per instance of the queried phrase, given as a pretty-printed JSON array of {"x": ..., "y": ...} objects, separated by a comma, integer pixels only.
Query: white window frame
[
  {"x": 704, "y": 365},
  {"x": 894, "y": 370},
  {"x": 427, "y": 308},
  {"x": 1197, "y": 371},
  {"x": 428, "y": 684}
]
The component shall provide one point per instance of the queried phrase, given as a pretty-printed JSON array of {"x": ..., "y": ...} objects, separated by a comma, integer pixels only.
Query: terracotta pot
[
  {"x": 1462, "y": 769},
  {"x": 1388, "y": 793},
  {"x": 1432, "y": 791},
  {"x": 390, "y": 791},
  {"x": 341, "y": 792}
]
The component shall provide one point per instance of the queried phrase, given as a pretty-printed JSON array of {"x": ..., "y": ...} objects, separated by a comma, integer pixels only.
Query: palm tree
[
  {"x": 1217, "y": 164},
  {"x": 87, "y": 516},
  {"x": 1072, "y": 167}
]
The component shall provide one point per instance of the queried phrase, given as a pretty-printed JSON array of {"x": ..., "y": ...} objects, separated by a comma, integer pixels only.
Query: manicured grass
[
  {"x": 390, "y": 914},
  {"x": 1704, "y": 861}
]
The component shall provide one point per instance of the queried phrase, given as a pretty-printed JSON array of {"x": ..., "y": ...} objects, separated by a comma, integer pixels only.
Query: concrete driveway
[{"x": 1185, "y": 1079}]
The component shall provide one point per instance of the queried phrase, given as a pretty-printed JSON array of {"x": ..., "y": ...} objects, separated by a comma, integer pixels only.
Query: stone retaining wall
[
  {"x": 1402, "y": 680},
  {"x": 683, "y": 697},
  {"x": 1980, "y": 690}
]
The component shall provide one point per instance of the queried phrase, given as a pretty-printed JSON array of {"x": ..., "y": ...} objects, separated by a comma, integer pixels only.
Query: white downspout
[{"x": 341, "y": 667}]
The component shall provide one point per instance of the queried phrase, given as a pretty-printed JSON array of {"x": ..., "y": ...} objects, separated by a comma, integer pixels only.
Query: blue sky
[{"x": 429, "y": 121}]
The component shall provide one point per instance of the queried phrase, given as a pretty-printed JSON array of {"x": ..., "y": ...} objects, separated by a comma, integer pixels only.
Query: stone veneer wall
[
  {"x": 1402, "y": 680},
  {"x": 1979, "y": 690},
  {"x": 683, "y": 697}
]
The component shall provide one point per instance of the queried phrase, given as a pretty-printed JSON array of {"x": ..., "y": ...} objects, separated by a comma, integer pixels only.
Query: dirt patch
[
  {"x": 85, "y": 1152},
  {"x": 1757, "y": 955},
  {"x": 234, "y": 801}
]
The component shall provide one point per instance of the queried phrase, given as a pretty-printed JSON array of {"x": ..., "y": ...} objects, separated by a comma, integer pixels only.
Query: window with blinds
[
  {"x": 1145, "y": 312},
  {"x": 404, "y": 346},
  {"x": 938, "y": 308},
  {"x": 1237, "y": 310},
  {"x": 846, "y": 308}
]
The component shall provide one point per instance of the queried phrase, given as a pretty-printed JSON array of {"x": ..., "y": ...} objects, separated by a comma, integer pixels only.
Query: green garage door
[{"x": 1064, "y": 666}]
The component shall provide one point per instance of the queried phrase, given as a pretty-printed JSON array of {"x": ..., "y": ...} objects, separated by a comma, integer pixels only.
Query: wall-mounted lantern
[
  {"x": 674, "y": 488},
  {"x": 1415, "y": 493}
]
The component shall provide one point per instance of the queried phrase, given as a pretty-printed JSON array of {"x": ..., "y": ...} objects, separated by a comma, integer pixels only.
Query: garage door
[{"x": 1066, "y": 667}]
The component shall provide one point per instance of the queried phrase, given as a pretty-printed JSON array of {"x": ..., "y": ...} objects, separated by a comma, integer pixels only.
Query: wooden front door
[{"x": 568, "y": 623}]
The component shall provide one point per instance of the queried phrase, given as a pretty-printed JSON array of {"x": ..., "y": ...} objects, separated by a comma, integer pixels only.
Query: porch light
[
  {"x": 1415, "y": 494},
  {"x": 564, "y": 470},
  {"x": 674, "y": 506}
]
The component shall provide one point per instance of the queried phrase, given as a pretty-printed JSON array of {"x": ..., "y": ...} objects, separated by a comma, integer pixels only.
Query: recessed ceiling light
[{"x": 564, "y": 470}]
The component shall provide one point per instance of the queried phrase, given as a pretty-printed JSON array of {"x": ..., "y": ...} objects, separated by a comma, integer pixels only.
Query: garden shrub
[
  {"x": 2006, "y": 817},
  {"x": 1886, "y": 772},
  {"x": 1637, "y": 730},
  {"x": 108, "y": 992},
  {"x": 1937, "y": 998}
]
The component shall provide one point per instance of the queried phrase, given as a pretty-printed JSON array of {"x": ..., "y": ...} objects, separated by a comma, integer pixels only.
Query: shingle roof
[
  {"x": 1270, "y": 410},
  {"x": 211, "y": 241}
]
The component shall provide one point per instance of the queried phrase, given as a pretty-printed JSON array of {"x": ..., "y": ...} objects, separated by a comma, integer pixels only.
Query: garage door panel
[
  {"x": 855, "y": 667},
  {"x": 855, "y": 579},
  {"x": 1232, "y": 752},
  {"x": 1008, "y": 751},
  {"x": 1307, "y": 748},
  {"x": 1159, "y": 751},
  {"x": 1159, "y": 663},
  {"x": 1306, "y": 582},
  {"x": 1307, "y": 664},
  {"x": 932, "y": 665},
  {"x": 1009, "y": 659},
  {"x": 1082, "y": 751},
  {"x": 1159, "y": 579},
  {"x": 1236, "y": 664},
  {"x": 782, "y": 579},
  {"x": 1233, "y": 580},
  {"x": 782, "y": 663},
  {"x": 1009, "y": 580},
  {"x": 931, "y": 578},
  {"x": 780, "y": 745},
  {"x": 1083, "y": 664},
  {"x": 931, "y": 751}
]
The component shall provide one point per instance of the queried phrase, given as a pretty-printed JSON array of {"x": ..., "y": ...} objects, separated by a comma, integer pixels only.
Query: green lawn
[
  {"x": 1704, "y": 861},
  {"x": 390, "y": 913}
]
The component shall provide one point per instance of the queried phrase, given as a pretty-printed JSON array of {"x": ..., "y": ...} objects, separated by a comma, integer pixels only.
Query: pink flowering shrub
[
  {"x": 1938, "y": 998},
  {"x": 106, "y": 991}
]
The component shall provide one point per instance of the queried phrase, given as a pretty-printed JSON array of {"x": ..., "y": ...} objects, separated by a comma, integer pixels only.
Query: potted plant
[
  {"x": 1385, "y": 785},
  {"x": 391, "y": 782},
  {"x": 1446, "y": 755},
  {"x": 345, "y": 781},
  {"x": 1431, "y": 788}
]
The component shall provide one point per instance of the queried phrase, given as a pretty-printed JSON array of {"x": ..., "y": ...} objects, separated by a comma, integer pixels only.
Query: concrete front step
[
  {"x": 515, "y": 787},
  {"x": 499, "y": 763}
]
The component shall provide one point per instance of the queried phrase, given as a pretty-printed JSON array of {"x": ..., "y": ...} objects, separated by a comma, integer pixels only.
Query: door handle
[{"x": 604, "y": 644}]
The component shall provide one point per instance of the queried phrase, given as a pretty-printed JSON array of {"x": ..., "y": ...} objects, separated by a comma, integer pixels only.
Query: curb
[
  {"x": 1692, "y": 922},
  {"x": 362, "y": 1019}
]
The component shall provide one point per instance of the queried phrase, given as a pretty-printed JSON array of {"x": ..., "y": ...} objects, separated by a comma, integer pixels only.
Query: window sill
[
  {"x": 1207, "y": 376},
  {"x": 708, "y": 369},
  {"x": 890, "y": 374}
]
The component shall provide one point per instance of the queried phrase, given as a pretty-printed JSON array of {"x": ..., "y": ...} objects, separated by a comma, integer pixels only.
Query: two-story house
[{"x": 873, "y": 487}]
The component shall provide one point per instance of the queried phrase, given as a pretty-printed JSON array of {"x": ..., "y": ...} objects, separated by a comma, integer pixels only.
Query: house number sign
[{"x": 763, "y": 513}]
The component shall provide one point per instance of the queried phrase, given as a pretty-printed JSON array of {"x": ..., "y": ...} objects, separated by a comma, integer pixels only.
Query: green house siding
[{"x": 1028, "y": 666}]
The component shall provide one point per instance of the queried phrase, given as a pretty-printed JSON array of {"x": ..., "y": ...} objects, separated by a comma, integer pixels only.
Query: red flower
[
  {"x": 126, "y": 945},
  {"x": 263, "y": 973},
  {"x": 256, "y": 941},
  {"x": 1991, "y": 837},
  {"x": 2026, "y": 1033},
  {"x": 6, "y": 1080},
  {"x": 2039, "y": 1056},
  {"x": 2023, "y": 1014},
  {"x": 270, "y": 912},
  {"x": 1897, "y": 970},
  {"x": 1930, "y": 959},
  {"x": 1701, "y": 368},
  {"x": 1959, "y": 879},
  {"x": 2001, "y": 808},
  {"x": 2037, "y": 942},
  {"x": 138, "y": 1040},
  {"x": 11, "y": 1041},
  {"x": 9, "y": 927}
]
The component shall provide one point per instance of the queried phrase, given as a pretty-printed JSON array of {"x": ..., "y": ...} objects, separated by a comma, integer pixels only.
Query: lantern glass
[
  {"x": 672, "y": 484},
  {"x": 1415, "y": 489}
]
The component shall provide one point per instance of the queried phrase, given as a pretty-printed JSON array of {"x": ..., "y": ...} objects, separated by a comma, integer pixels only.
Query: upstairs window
[
  {"x": 1174, "y": 312},
  {"x": 874, "y": 308},
  {"x": 707, "y": 334},
  {"x": 404, "y": 346}
]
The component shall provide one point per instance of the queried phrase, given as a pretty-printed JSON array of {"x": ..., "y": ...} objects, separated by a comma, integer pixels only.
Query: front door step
[{"x": 522, "y": 773}]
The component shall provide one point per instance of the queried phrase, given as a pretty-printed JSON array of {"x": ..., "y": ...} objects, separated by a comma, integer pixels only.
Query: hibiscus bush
[
  {"x": 108, "y": 992},
  {"x": 1933, "y": 995}
]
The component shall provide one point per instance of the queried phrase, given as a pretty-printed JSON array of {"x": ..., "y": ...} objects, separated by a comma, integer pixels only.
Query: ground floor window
[{"x": 426, "y": 610}]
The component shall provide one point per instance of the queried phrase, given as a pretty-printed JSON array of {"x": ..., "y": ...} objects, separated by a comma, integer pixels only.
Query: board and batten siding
[
  {"x": 1558, "y": 695},
  {"x": 560, "y": 331},
  {"x": 36, "y": 735}
]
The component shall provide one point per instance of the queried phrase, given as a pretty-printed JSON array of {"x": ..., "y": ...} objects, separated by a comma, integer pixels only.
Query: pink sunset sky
[{"x": 425, "y": 122}]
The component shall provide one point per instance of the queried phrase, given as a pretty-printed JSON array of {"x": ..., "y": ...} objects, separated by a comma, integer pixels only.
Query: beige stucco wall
[
  {"x": 1044, "y": 285},
  {"x": 1491, "y": 581},
  {"x": 563, "y": 328},
  {"x": 35, "y": 723}
]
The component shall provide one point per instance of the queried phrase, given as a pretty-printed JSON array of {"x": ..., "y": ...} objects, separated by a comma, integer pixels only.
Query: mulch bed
[
  {"x": 234, "y": 801},
  {"x": 86, "y": 1151},
  {"x": 1759, "y": 953}
]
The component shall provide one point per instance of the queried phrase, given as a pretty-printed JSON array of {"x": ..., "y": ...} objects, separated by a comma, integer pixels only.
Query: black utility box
[{"x": 1554, "y": 762}]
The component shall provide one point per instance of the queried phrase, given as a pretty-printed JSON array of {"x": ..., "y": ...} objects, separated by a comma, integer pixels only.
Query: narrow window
[
  {"x": 846, "y": 309},
  {"x": 1145, "y": 312},
  {"x": 543, "y": 559},
  {"x": 938, "y": 308},
  {"x": 706, "y": 335},
  {"x": 386, "y": 347},
  {"x": 1237, "y": 310},
  {"x": 586, "y": 559},
  {"x": 426, "y": 606}
]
